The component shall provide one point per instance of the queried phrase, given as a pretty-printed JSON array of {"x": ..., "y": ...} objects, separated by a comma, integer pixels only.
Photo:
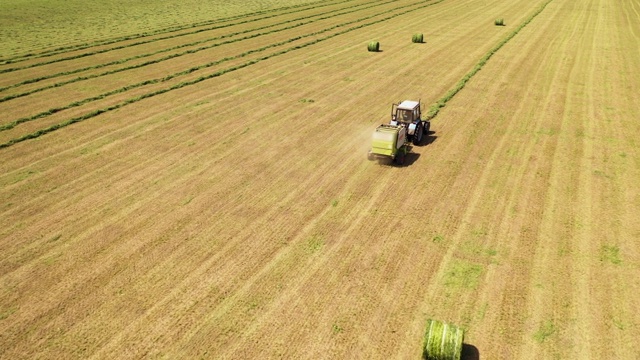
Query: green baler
[{"x": 389, "y": 141}]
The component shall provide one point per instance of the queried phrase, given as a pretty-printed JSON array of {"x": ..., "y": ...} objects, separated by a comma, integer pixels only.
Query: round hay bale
[
  {"x": 417, "y": 38},
  {"x": 442, "y": 341},
  {"x": 373, "y": 46}
]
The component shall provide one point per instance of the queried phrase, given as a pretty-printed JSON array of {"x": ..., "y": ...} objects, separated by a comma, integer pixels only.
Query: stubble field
[{"x": 202, "y": 190}]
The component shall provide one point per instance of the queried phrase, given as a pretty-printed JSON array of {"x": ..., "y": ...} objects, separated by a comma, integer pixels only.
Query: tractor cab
[{"x": 408, "y": 113}]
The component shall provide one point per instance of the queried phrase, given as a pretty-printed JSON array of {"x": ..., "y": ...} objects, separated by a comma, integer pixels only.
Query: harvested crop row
[
  {"x": 150, "y": 41},
  {"x": 174, "y": 75},
  {"x": 179, "y": 46},
  {"x": 172, "y": 56},
  {"x": 62, "y": 50},
  {"x": 94, "y": 113}
]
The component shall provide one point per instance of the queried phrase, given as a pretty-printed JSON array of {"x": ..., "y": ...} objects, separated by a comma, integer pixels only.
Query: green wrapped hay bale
[
  {"x": 374, "y": 46},
  {"x": 417, "y": 38},
  {"x": 499, "y": 22},
  {"x": 442, "y": 341}
]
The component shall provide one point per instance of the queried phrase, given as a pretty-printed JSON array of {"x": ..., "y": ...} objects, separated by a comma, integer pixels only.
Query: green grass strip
[
  {"x": 91, "y": 53},
  {"x": 172, "y": 56},
  {"x": 95, "y": 113},
  {"x": 435, "y": 108},
  {"x": 83, "y": 46},
  {"x": 52, "y": 111}
]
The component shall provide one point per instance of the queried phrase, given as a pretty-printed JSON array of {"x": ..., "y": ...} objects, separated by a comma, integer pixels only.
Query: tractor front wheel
[{"x": 427, "y": 127}]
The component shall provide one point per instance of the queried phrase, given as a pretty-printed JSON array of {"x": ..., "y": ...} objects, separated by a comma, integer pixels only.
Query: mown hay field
[{"x": 197, "y": 186}]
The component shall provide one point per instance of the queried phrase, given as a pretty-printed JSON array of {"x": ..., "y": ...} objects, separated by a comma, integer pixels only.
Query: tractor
[
  {"x": 408, "y": 113},
  {"x": 392, "y": 140}
]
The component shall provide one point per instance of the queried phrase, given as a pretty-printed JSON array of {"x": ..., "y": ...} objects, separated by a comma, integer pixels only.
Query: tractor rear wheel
[
  {"x": 419, "y": 133},
  {"x": 427, "y": 127}
]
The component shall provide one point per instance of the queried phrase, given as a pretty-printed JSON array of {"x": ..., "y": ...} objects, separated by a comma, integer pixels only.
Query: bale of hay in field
[
  {"x": 442, "y": 341},
  {"x": 373, "y": 46},
  {"x": 499, "y": 22},
  {"x": 417, "y": 38}
]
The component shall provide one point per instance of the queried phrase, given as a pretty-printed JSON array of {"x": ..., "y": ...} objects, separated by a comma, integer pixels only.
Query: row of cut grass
[
  {"x": 172, "y": 56},
  {"x": 121, "y": 104},
  {"x": 76, "y": 47},
  {"x": 119, "y": 47},
  {"x": 52, "y": 111},
  {"x": 441, "y": 103}
]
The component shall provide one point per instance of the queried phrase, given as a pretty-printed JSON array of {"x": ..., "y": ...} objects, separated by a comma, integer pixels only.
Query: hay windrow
[
  {"x": 168, "y": 30},
  {"x": 92, "y": 114},
  {"x": 324, "y": 16},
  {"x": 435, "y": 108}
]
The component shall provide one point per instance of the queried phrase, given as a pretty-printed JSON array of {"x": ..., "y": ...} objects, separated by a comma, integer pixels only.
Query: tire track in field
[
  {"x": 172, "y": 56},
  {"x": 586, "y": 310},
  {"x": 630, "y": 6},
  {"x": 549, "y": 308},
  {"x": 188, "y": 83},
  {"x": 620, "y": 113},
  {"x": 2, "y": 71},
  {"x": 550, "y": 237},
  {"x": 283, "y": 175},
  {"x": 608, "y": 308}
]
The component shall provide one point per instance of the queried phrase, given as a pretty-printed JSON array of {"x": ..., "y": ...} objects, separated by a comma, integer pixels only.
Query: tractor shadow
[
  {"x": 411, "y": 156},
  {"x": 428, "y": 139},
  {"x": 409, "y": 159},
  {"x": 469, "y": 352}
]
